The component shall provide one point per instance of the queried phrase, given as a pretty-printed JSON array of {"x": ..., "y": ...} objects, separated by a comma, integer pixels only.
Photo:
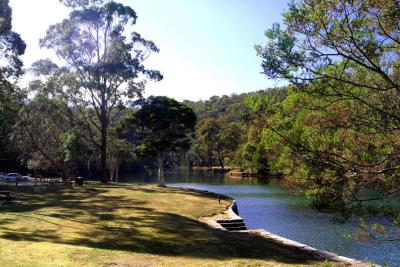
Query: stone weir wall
[{"x": 232, "y": 214}]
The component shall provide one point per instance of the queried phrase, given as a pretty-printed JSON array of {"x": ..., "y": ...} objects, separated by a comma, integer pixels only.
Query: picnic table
[{"x": 6, "y": 195}]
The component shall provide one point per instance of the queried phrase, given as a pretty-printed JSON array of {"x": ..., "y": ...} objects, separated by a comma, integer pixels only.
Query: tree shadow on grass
[{"x": 83, "y": 219}]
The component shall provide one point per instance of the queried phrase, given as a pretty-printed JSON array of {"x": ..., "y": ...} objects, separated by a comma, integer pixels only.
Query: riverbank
[{"x": 133, "y": 225}]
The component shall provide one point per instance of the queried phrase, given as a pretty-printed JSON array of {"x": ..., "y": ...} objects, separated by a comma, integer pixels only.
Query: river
[{"x": 265, "y": 205}]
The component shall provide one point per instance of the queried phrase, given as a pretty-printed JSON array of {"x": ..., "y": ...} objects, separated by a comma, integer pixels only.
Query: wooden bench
[{"x": 6, "y": 195}]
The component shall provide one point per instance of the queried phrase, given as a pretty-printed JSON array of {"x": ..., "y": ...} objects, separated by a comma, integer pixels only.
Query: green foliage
[
  {"x": 223, "y": 127},
  {"x": 10, "y": 103},
  {"x": 311, "y": 141},
  {"x": 336, "y": 134},
  {"x": 255, "y": 158},
  {"x": 147, "y": 150},
  {"x": 163, "y": 125},
  {"x": 260, "y": 160},
  {"x": 70, "y": 144},
  {"x": 43, "y": 132},
  {"x": 217, "y": 139},
  {"x": 119, "y": 151},
  {"x": 11, "y": 45},
  {"x": 37, "y": 162}
]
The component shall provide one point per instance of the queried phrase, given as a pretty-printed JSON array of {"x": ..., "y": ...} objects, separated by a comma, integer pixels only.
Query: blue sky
[{"x": 206, "y": 46}]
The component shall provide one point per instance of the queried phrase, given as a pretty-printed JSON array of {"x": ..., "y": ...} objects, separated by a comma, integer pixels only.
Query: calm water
[{"x": 267, "y": 206}]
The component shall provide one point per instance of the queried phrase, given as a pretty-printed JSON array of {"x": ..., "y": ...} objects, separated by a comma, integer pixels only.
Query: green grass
[{"x": 137, "y": 225}]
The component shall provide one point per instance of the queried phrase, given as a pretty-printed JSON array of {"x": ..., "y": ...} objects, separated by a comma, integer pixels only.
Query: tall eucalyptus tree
[
  {"x": 11, "y": 47},
  {"x": 104, "y": 63}
]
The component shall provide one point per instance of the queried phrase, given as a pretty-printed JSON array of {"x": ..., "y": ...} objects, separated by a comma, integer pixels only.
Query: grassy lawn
[{"x": 138, "y": 225}]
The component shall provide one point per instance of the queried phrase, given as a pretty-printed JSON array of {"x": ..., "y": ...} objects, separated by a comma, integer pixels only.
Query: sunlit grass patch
[{"x": 132, "y": 225}]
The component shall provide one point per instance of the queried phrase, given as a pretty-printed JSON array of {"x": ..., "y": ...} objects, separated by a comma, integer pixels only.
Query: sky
[{"x": 206, "y": 46}]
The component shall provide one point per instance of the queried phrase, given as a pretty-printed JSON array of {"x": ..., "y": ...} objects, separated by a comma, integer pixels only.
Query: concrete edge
[{"x": 319, "y": 254}]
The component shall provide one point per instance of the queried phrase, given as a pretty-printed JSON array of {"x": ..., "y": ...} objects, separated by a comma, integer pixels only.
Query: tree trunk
[
  {"x": 116, "y": 174},
  {"x": 88, "y": 171},
  {"x": 103, "y": 153},
  {"x": 35, "y": 176},
  {"x": 209, "y": 160},
  {"x": 220, "y": 159},
  {"x": 160, "y": 175},
  {"x": 64, "y": 171},
  {"x": 111, "y": 171}
]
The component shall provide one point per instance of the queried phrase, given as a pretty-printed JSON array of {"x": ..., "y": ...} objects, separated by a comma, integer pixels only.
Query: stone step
[
  {"x": 236, "y": 228},
  {"x": 233, "y": 225},
  {"x": 225, "y": 225},
  {"x": 229, "y": 221}
]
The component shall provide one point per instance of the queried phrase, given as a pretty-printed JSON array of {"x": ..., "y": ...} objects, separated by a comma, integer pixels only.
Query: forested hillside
[{"x": 227, "y": 134}]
